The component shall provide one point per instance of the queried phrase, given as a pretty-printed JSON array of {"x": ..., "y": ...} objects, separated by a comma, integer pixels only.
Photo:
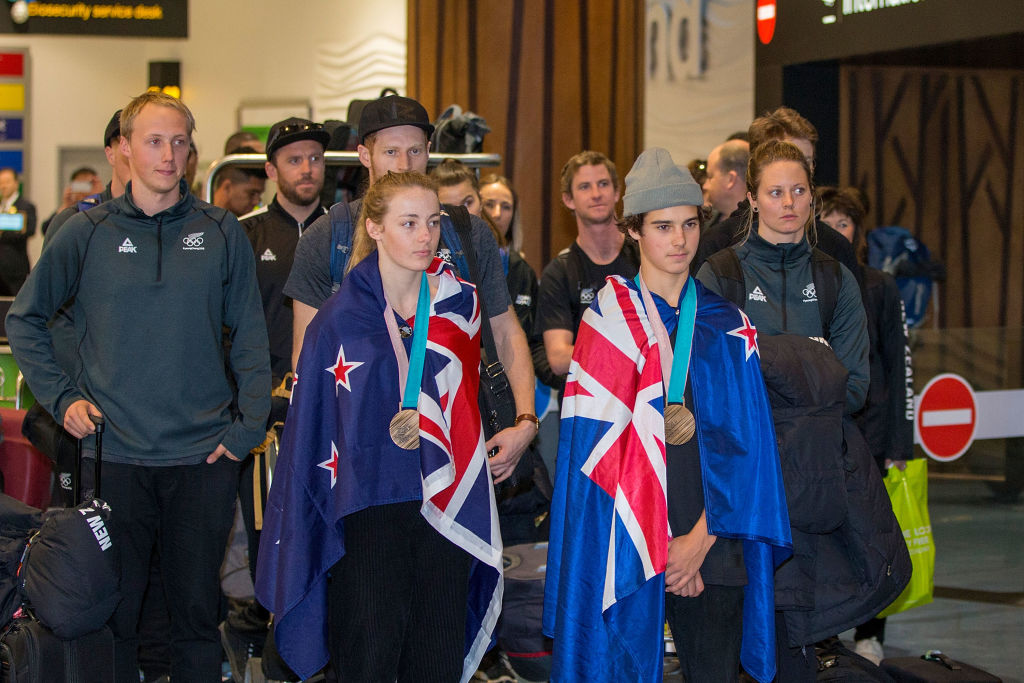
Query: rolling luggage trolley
[{"x": 31, "y": 652}]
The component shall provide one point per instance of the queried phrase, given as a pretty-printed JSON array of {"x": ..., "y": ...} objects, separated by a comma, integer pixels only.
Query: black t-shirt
[{"x": 571, "y": 282}]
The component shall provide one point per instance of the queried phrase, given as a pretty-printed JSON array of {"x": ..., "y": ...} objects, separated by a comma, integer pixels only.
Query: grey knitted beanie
[{"x": 655, "y": 182}]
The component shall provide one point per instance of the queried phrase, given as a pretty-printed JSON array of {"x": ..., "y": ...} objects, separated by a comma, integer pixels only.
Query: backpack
[
  {"x": 894, "y": 250},
  {"x": 825, "y": 273},
  {"x": 340, "y": 216},
  {"x": 458, "y": 132}
]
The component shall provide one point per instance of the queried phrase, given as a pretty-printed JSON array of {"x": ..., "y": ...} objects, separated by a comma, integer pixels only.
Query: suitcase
[
  {"x": 31, "y": 653},
  {"x": 935, "y": 667},
  {"x": 519, "y": 627},
  {"x": 838, "y": 663},
  {"x": 27, "y": 473}
]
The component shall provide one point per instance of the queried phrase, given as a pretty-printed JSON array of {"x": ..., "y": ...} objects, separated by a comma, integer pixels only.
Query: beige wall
[
  {"x": 691, "y": 104},
  {"x": 236, "y": 50}
]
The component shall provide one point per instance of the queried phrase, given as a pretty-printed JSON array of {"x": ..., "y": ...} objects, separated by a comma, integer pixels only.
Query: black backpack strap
[
  {"x": 726, "y": 267},
  {"x": 341, "y": 241},
  {"x": 828, "y": 278},
  {"x": 463, "y": 226}
]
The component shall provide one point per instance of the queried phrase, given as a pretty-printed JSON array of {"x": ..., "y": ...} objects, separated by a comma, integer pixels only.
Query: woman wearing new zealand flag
[
  {"x": 380, "y": 548},
  {"x": 668, "y": 496}
]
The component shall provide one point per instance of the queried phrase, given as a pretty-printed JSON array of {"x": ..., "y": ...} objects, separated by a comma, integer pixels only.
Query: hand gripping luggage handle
[{"x": 99, "y": 423}]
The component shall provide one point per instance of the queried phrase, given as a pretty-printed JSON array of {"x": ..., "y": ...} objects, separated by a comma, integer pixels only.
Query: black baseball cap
[
  {"x": 113, "y": 131},
  {"x": 292, "y": 130},
  {"x": 391, "y": 111}
]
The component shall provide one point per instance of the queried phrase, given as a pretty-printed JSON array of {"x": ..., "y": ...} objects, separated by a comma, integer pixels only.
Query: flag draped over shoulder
[
  {"x": 337, "y": 457},
  {"x": 605, "y": 589}
]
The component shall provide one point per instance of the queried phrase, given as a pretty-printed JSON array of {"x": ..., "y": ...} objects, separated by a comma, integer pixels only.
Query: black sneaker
[{"x": 239, "y": 648}]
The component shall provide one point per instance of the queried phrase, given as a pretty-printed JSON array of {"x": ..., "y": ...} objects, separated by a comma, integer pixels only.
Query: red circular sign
[
  {"x": 765, "y": 20},
  {"x": 947, "y": 417}
]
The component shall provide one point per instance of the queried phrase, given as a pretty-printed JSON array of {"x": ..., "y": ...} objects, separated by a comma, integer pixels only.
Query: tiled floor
[
  {"x": 978, "y": 613},
  {"x": 980, "y": 567}
]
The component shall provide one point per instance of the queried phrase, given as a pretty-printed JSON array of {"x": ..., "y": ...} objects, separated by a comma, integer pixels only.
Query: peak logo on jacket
[
  {"x": 193, "y": 242},
  {"x": 758, "y": 295},
  {"x": 127, "y": 247}
]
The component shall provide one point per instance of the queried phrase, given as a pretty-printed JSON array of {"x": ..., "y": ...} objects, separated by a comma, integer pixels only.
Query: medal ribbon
[
  {"x": 675, "y": 362},
  {"x": 410, "y": 370}
]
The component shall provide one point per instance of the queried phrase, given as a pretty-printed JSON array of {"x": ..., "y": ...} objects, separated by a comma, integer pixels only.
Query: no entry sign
[
  {"x": 765, "y": 20},
  {"x": 947, "y": 417}
]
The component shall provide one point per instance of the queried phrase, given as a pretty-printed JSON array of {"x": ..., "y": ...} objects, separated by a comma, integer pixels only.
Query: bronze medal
[
  {"x": 679, "y": 424},
  {"x": 405, "y": 429}
]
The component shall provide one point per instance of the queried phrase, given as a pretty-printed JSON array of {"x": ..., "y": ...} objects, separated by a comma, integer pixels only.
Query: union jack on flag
[
  {"x": 605, "y": 587},
  {"x": 612, "y": 431}
]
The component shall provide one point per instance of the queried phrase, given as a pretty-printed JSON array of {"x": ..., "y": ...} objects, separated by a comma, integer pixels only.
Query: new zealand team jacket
[{"x": 154, "y": 299}]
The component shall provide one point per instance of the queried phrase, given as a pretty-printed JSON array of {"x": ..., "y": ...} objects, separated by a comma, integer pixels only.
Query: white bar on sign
[
  {"x": 1000, "y": 414},
  {"x": 765, "y": 12},
  {"x": 943, "y": 418}
]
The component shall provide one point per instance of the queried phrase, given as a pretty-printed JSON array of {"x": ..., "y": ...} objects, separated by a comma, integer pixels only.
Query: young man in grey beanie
[{"x": 668, "y": 495}]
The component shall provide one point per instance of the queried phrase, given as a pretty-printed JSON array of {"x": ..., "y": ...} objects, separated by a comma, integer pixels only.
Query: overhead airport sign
[
  {"x": 145, "y": 18},
  {"x": 814, "y": 30}
]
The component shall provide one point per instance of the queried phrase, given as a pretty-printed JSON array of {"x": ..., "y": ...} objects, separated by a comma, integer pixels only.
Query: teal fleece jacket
[
  {"x": 154, "y": 299},
  {"x": 781, "y": 299}
]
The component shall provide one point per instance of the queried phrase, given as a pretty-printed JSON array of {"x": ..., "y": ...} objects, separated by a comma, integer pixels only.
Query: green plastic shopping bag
[{"x": 908, "y": 491}]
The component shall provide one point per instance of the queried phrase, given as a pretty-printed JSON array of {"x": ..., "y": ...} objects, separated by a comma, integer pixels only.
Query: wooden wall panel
[
  {"x": 551, "y": 77},
  {"x": 940, "y": 152}
]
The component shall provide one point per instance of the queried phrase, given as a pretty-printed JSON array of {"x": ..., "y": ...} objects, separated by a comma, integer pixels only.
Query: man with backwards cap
[
  {"x": 668, "y": 495},
  {"x": 395, "y": 135}
]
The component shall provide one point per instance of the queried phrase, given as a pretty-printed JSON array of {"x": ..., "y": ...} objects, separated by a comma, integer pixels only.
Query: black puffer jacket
[{"x": 849, "y": 557}]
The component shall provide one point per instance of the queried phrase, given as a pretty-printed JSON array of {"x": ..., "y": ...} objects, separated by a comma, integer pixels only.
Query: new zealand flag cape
[
  {"x": 605, "y": 593},
  {"x": 337, "y": 457}
]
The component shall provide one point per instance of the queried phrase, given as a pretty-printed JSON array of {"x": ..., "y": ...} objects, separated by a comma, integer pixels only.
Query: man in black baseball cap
[
  {"x": 392, "y": 111},
  {"x": 394, "y": 133},
  {"x": 295, "y": 161},
  {"x": 292, "y": 130}
]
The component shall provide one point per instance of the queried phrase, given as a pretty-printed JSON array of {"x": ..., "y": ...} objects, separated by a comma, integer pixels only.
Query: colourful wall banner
[
  {"x": 12, "y": 130},
  {"x": 12, "y": 64},
  {"x": 12, "y": 158},
  {"x": 12, "y": 96}
]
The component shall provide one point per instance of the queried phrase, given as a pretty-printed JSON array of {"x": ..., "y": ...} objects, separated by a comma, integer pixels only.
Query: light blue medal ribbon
[
  {"x": 679, "y": 423},
  {"x": 405, "y": 425},
  {"x": 410, "y": 397}
]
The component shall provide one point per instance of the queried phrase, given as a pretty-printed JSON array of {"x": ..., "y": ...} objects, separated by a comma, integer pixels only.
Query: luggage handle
[
  {"x": 77, "y": 488},
  {"x": 944, "y": 660}
]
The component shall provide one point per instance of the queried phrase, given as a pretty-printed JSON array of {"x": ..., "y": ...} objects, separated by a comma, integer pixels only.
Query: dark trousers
[
  {"x": 707, "y": 631},
  {"x": 188, "y": 510},
  {"x": 795, "y": 664},
  {"x": 397, "y": 599},
  {"x": 872, "y": 628}
]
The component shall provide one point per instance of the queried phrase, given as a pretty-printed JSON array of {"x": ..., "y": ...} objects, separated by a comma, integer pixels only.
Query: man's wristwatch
[{"x": 527, "y": 417}]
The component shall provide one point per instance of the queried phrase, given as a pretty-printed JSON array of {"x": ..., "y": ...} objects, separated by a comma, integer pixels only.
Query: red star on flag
[
  {"x": 341, "y": 370},
  {"x": 331, "y": 464},
  {"x": 748, "y": 333},
  {"x": 295, "y": 382}
]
